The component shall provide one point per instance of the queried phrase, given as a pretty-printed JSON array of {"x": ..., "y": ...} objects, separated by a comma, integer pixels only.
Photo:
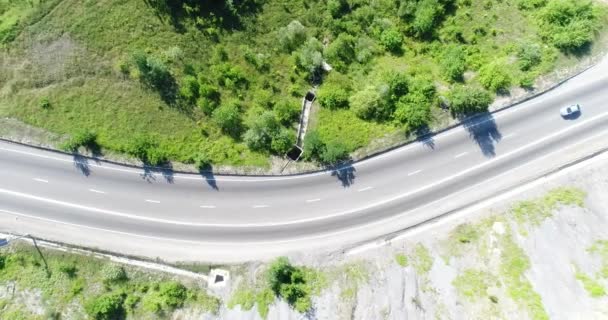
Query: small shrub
[
  {"x": 369, "y": 104},
  {"x": 44, "y": 103},
  {"x": 529, "y": 55},
  {"x": 313, "y": 145},
  {"x": 112, "y": 273},
  {"x": 228, "y": 118},
  {"x": 189, "y": 89},
  {"x": 290, "y": 283},
  {"x": 81, "y": 138},
  {"x": 202, "y": 161},
  {"x": 453, "y": 63},
  {"x": 467, "y": 100},
  {"x": 333, "y": 96},
  {"x": 334, "y": 152},
  {"x": 495, "y": 76},
  {"x": 68, "y": 269},
  {"x": 108, "y": 306},
  {"x": 414, "y": 111}
]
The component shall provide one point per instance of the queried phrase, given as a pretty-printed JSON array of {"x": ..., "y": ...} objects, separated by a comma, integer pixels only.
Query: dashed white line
[
  {"x": 510, "y": 135},
  {"x": 41, "y": 180},
  {"x": 208, "y": 207},
  {"x": 365, "y": 189},
  {"x": 313, "y": 200},
  {"x": 413, "y": 173},
  {"x": 258, "y": 206},
  {"x": 152, "y": 201},
  {"x": 460, "y": 155},
  {"x": 96, "y": 191}
]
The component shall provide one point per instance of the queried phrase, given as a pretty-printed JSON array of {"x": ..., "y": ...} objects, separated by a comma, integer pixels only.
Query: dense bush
[
  {"x": 81, "y": 138},
  {"x": 569, "y": 24},
  {"x": 334, "y": 152},
  {"x": 495, "y": 76},
  {"x": 283, "y": 141},
  {"x": 202, "y": 161},
  {"x": 189, "y": 89},
  {"x": 209, "y": 98},
  {"x": 453, "y": 63},
  {"x": 228, "y": 118},
  {"x": 424, "y": 15},
  {"x": 292, "y": 36},
  {"x": 108, "y": 306},
  {"x": 261, "y": 131},
  {"x": 530, "y": 4},
  {"x": 467, "y": 100},
  {"x": 167, "y": 296},
  {"x": 313, "y": 146}
]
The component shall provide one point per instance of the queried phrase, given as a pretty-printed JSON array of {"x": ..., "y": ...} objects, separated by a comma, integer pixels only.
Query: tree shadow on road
[
  {"x": 483, "y": 130},
  {"x": 207, "y": 174},
  {"x": 345, "y": 172},
  {"x": 151, "y": 172},
  {"x": 424, "y": 135}
]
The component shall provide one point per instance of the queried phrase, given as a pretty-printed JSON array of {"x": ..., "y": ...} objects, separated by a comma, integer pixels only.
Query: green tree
[
  {"x": 283, "y": 141},
  {"x": 467, "y": 100},
  {"x": 310, "y": 56},
  {"x": 313, "y": 145},
  {"x": 228, "y": 118},
  {"x": 292, "y": 36},
  {"x": 495, "y": 76},
  {"x": 189, "y": 89},
  {"x": 341, "y": 52},
  {"x": 290, "y": 283},
  {"x": 261, "y": 132},
  {"x": 391, "y": 39}
]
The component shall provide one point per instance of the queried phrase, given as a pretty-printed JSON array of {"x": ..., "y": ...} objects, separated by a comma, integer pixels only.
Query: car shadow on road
[
  {"x": 345, "y": 172},
  {"x": 483, "y": 130}
]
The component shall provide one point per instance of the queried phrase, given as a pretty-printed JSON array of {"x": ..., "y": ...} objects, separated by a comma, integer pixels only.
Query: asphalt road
[{"x": 80, "y": 192}]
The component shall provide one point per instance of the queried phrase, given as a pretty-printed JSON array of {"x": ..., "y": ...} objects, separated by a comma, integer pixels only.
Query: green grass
[
  {"x": 600, "y": 248},
  {"x": 401, "y": 260},
  {"x": 421, "y": 259},
  {"x": 77, "y": 54},
  {"x": 350, "y": 277},
  {"x": 592, "y": 286},
  {"x": 534, "y": 212},
  {"x": 512, "y": 272},
  {"x": 473, "y": 284},
  {"x": 75, "y": 279}
]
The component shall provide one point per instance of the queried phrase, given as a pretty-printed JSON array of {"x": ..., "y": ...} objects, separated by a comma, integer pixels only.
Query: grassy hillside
[{"x": 221, "y": 83}]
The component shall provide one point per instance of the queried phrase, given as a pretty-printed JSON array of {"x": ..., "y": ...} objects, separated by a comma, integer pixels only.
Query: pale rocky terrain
[{"x": 551, "y": 251}]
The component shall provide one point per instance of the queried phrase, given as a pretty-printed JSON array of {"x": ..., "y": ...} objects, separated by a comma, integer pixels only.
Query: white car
[{"x": 570, "y": 110}]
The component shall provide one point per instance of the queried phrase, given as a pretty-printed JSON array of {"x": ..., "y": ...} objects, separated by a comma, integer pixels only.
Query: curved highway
[{"x": 54, "y": 187}]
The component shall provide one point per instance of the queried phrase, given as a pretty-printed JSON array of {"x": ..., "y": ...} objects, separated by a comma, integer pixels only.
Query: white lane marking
[
  {"x": 330, "y": 216},
  {"x": 41, "y": 180},
  {"x": 313, "y": 200},
  {"x": 208, "y": 207},
  {"x": 481, "y": 205},
  {"x": 152, "y": 201},
  {"x": 365, "y": 189},
  {"x": 414, "y": 173},
  {"x": 96, "y": 191},
  {"x": 258, "y": 206},
  {"x": 460, "y": 155}
]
